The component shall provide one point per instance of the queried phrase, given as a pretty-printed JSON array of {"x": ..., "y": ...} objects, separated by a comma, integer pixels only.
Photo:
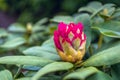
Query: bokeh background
[{"x": 24, "y": 11}]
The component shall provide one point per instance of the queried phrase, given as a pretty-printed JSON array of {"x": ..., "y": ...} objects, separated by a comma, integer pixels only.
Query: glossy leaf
[
  {"x": 102, "y": 8},
  {"x": 16, "y": 27},
  {"x": 106, "y": 57},
  {"x": 49, "y": 43},
  {"x": 3, "y": 33},
  {"x": 13, "y": 43},
  {"x": 87, "y": 9},
  {"x": 109, "y": 33},
  {"x": 109, "y": 28},
  {"x": 56, "y": 66},
  {"x": 65, "y": 19},
  {"x": 99, "y": 76},
  {"x": 5, "y": 75},
  {"x": 81, "y": 74},
  {"x": 89, "y": 73},
  {"x": 25, "y": 78},
  {"x": 42, "y": 21},
  {"x": 95, "y": 5},
  {"x": 25, "y": 60},
  {"x": 46, "y": 52}
]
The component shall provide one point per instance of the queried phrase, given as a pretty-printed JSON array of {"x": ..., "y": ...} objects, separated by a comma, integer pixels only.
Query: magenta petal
[
  {"x": 80, "y": 26},
  {"x": 64, "y": 30},
  {"x": 56, "y": 40}
]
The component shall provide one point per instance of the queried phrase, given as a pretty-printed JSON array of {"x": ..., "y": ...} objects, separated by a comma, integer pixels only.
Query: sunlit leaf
[
  {"x": 25, "y": 78},
  {"x": 13, "y": 43},
  {"x": 3, "y": 33},
  {"x": 42, "y": 21},
  {"x": 25, "y": 60},
  {"x": 5, "y": 75},
  {"x": 109, "y": 28},
  {"x": 46, "y": 52},
  {"x": 109, "y": 33},
  {"x": 106, "y": 57},
  {"x": 99, "y": 76},
  {"x": 17, "y": 27},
  {"x": 81, "y": 74},
  {"x": 65, "y": 19},
  {"x": 56, "y": 66}
]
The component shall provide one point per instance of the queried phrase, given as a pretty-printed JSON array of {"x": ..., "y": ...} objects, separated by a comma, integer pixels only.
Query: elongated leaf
[
  {"x": 109, "y": 28},
  {"x": 87, "y": 9},
  {"x": 106, "y": 57},
  {"x": 99, "y": 76},
  {"x": 90, "y": 73},
  {"x": 56, "y": 66},
  {"x": 5, "y": 75},
  {"x": 46, "y": 52},
  {"x": 13, "y": 43},
  {"x": 42, "y": 21},
  {"x": 3, "y": 33},
  {"x": 101, "y": 8},
  {"x": 95, "y": 5},
  {"x": 16, "y": 27},
  {"x": 109, "y": 33},
  {"x": 25, "y": 78},
  {"x": 25, "y": 60},
  {"x": 81, "y": 74},
  {"x": 49, "y": 43},
  {"x": 65, "y": 19}
]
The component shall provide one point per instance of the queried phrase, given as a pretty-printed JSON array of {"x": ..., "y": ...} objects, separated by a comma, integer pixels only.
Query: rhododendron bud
[{"x": 70, "y": 41}]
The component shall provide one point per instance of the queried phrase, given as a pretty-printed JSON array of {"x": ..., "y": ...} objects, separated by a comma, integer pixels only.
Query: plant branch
[
  {"x": 100, "y": 41},
  {"x": 18, "y": 72}
]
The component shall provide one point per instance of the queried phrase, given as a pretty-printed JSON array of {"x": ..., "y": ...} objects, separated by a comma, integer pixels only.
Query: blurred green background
[{"x": 25, "y": 11}]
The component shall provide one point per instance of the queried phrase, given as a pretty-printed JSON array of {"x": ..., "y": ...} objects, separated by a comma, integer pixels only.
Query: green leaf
[
  {"x": 25, "y": 60},
  {"x": 101, "y": 8},
  {"x": 56, "y": 66},
  {"x": 37, "y": 28},
  {"x": 109, "y": 28},
  {"x": 81, "y": 74},
  {"x": 85, "y": 19},
  {"x": 49, "y": 43},
  {"x": 95, "y": 5},
  {"x": 5, "y": 75},
  {"x": 3, "y": 33},
  {"x": 25, "y": 78},
  {"x": 42, "y": 21},
  {"x": 99, "y": 76},
  {"x": 16, "y": 27},
  {"x": 108, "y": 45},
  {"x": 13, "y": 43},
  {"x": 109, "y": 33},
  {"x": 89, "y": 73},
  {"x": 46, "y": 52},
  {"x": 106, "y": 57},
  {"x": 115, "y": 71},
  {"x": 87, "y": 9},
  {"x": 65, "y": 19}
]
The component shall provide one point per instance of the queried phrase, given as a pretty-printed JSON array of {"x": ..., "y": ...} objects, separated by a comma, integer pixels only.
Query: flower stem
[
  {"x": 100, "y": 41},
  {"x": 18, "y": 72},
  {"x": 90, "y": 50}
]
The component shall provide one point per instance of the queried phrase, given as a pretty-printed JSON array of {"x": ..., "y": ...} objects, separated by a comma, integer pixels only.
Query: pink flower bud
[{"x": 70, "y": 41}]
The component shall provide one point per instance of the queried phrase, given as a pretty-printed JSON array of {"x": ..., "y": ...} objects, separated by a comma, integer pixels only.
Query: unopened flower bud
[{"x": 70, "y": 41}]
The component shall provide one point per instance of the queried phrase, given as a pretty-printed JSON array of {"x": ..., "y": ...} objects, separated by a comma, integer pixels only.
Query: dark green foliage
[{"x": 30, "y": 48}]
